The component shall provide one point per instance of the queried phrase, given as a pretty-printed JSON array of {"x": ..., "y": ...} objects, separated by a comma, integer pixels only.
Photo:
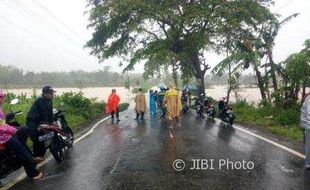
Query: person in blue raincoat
[{"x": 152, "y": 103}]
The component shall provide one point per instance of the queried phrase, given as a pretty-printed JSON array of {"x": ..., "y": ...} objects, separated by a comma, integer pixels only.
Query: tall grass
[
  {"x": 79, "y": 110},
  {"x": 278, "y": 120}
]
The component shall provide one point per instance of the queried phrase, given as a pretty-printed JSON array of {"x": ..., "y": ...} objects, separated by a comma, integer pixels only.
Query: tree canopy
[{"x": 182, "y": 30}]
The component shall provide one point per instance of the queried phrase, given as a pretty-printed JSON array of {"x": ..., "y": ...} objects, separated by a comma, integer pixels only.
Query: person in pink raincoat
[{"x": 10, "y": 141}]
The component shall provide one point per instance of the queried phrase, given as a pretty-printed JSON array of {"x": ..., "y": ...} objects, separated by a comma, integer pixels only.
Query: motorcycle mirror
[{"x": 14, "y": 101}]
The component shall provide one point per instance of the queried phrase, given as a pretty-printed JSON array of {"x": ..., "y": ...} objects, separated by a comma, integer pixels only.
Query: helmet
[{"x": 2, "y": 94}]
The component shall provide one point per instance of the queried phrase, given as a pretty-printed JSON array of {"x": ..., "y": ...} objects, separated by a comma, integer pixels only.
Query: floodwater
[
  {"x": 101, "y": 93},
  {"x": 252, "y": 95}
]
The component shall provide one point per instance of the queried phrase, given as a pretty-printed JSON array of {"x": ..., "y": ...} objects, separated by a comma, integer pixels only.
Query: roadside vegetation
[
  {"x": 79, "y": 110},
  {"x": 282, "y": 122}
]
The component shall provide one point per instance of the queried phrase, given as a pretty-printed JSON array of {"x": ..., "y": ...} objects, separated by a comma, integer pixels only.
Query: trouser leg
[
  {"x": 24, "y": 155},
  {"x": 137, "y": 115},
  {"x": 39, "y": 149},
  {"x": 142, "y": 115},
  {"x": 112, "y": 115},
  {"x": 307, "y": 147},
  {"x": 117, "y": 113}
]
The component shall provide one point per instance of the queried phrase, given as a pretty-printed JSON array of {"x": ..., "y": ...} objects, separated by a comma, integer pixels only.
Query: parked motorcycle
[
  {"x": 58, "y": 137},
  {"x": 210, "y": 110},
  {"x": 228, "y": 116},
  {"x": 185, "y": 106},
  {"x": 199, "y": 108}
]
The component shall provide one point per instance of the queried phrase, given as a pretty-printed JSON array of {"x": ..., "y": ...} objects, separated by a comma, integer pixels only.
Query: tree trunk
[
  {"x": 266, "y": 81},
  {"x": 198, "y": 73},
  {"x": 229, "y": 82},
  {"x": 273, "y": 72},
  {"x": 303, "y": 91},
  {"x": 175, "y": 73},
  {"x": 260, "y": 81},
  {"x": 296, "y": 93}
]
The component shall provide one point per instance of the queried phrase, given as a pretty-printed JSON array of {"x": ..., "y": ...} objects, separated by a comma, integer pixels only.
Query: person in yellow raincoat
[
  {"x": 140, "y": 104},
  {"x": 173, "y": 105}
]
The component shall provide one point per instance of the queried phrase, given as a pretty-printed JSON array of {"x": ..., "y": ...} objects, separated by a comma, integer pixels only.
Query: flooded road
[{"x": 141, "y": 155}]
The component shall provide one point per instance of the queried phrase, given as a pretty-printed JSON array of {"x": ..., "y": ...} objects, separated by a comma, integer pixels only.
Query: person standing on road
[
  {"x": 140, "y": 104},
  {"x": 173, "y": 104},
  {"x": 160, "y": 102},
  {"x": 305, "y": 124},
  {"x": 41, "y": 112},
  {"x": 112, "y": 105},
  {"x": 152, "y": 103}
]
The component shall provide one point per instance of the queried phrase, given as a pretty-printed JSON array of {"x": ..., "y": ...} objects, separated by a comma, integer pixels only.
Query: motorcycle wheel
[
  {"x": 213, "y": 115},
  {"x": 231, "y": 122},
  {"x": 56, "y": 150},
  {"x": 70, "y": 132}
]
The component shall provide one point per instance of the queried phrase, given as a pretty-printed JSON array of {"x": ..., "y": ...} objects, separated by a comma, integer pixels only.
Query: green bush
[
  {"x": 284, "y": 122},
  {"x": 79, "y": 110}
]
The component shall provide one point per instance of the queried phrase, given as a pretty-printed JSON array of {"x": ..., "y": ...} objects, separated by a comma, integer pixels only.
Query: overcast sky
[{"x": 48, "y": 35}]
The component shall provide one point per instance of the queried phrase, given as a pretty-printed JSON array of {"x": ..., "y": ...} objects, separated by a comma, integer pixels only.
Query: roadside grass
[
  {"x": 79, "y": 110},
  {"x": 279, "y": 121}
]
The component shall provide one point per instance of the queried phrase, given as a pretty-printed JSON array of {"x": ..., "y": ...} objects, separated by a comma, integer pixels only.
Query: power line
[
  {"x": 35, "y": 17},
  {"x": 38, "y": 36},
  {"x": 39, "y": 19},
  {"x": 20, "y": 27},
  {"x": 55, "y": 17},
  {"x": 283, "y": 6}
]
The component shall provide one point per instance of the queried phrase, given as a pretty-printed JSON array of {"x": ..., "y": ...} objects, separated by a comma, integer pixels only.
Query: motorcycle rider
[
  {"x": 221, "y": 106},
  {"x": 209, "y": 107},
  {"x": 199, "y": 106},
  {"x": 41, "y": 112},
  {"x": 185, "y": 101},
  {"x": 8, "y": 139}
]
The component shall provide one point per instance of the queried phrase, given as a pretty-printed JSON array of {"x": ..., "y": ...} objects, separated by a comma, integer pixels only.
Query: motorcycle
[
  {"x": 210, "y": 110},
  {"x": 58, "y": 137},
  {"x": 185, "y": 106},
  {"x": 228, "y": 116},
  {"x": 10, "y": 117},
  {"x": 199, "y": 108}
]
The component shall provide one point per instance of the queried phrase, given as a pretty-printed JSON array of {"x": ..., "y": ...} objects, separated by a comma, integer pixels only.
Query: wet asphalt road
[{"x": 140, "y": 155}]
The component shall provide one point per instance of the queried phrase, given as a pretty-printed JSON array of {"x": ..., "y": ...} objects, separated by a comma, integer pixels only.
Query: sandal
[
  {"x": 39, "y": 176},
  {"x": 38, "y": 159}
]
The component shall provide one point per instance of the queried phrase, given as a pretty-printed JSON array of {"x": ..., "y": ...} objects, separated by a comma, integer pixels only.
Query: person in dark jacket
[{"x": 41, "y": 112}]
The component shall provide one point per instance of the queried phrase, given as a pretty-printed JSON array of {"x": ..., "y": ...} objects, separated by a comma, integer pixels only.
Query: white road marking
[
  {"x": 171, "y": 136},
  {"x": 273, "y": 143},
  {"x": 269, "y": 141},
  {"x": 91, "y": 130},
  {"x": 115, "y": 165},
  {"x": 23, "y": 175}
]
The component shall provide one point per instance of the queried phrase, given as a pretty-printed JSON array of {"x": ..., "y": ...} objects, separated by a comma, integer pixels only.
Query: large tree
[
  {"x": 179, "y": 30},
  {"x": 257, "y": 43}
]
